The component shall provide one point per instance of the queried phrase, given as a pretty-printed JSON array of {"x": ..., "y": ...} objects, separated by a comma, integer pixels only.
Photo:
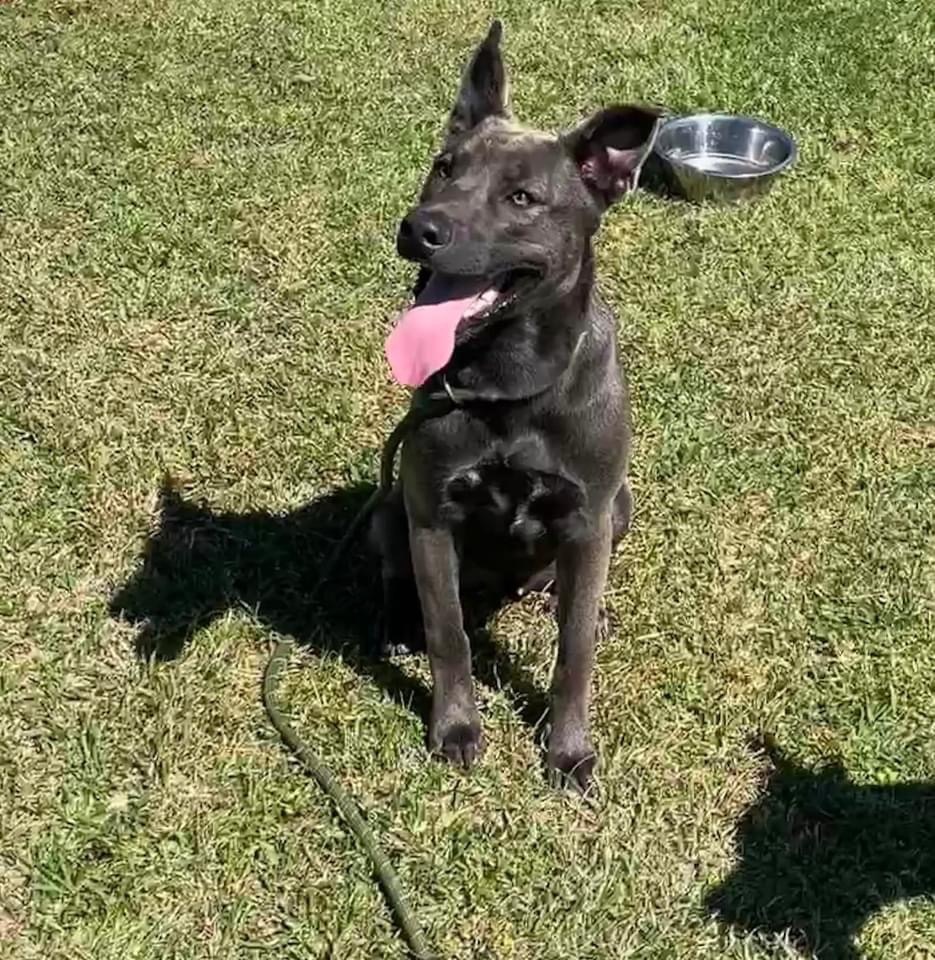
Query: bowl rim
[{"x": 684, "y": 119}]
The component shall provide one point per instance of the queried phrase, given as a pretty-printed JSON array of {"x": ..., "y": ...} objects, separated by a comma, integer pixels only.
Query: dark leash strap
[{"x": 432, "y": 406}]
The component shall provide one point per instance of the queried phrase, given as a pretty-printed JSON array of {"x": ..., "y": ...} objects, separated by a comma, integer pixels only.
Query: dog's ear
[
  {"x": 484, "y": 89},
  {"x": 611, "y": 147}
]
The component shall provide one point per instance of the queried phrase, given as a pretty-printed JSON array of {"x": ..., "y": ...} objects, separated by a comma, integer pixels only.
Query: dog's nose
[{"x": 423, "y": 233}]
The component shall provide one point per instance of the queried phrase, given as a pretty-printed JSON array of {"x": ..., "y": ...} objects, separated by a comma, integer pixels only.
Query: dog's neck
[{"x": 527, "y": 350}]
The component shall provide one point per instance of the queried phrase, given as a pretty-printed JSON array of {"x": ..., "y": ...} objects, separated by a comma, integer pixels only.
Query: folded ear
[
  {"x": 611, "y": 147},
  {"x": 484, "y": 89}
]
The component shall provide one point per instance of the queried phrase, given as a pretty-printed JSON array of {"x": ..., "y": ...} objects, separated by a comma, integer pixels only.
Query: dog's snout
[
  {"x": 435, "y": 234},
  {"x": 423, "y": 233}
]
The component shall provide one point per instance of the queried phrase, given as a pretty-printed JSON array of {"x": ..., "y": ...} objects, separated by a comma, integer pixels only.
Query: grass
[{"x": 196, "y": 275}]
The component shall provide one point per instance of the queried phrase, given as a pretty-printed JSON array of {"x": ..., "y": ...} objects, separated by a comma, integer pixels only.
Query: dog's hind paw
[
  {"x": 400, "y": 635},
  {"x": 400, "y": 648}
]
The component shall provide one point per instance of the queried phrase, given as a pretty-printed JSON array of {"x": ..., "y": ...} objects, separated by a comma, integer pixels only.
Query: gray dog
[{"x": 524, "y": 484}]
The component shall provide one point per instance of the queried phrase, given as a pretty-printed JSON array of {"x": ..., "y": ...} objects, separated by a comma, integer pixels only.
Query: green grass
[{"x": 197, "y": 209}]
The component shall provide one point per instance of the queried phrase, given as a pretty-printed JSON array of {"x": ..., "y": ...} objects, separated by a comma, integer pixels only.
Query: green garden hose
[{"x": 434, "y": 406}]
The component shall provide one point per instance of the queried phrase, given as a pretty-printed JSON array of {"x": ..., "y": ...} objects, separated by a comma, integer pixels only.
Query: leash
[{"x": 435, "y": 405}]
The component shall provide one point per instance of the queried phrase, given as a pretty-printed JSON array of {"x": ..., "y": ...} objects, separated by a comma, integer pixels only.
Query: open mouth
[
  {"x": 423, "y": 340},
  {"x": 479, "y": 296},
  {"x": 513, "y": 284}
]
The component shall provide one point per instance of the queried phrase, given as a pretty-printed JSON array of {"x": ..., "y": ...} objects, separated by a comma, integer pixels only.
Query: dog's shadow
[
  {"x": 198, "y": 564},
  {"x": 818, "y": 855}
]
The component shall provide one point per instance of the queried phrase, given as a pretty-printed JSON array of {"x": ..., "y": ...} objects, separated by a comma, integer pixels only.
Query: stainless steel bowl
[{"x": 718, "y": 156}]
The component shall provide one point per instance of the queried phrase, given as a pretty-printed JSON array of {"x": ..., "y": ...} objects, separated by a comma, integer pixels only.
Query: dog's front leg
[
  {"x": 582, "y": 575},
  {"x": 454, "y": 727}
]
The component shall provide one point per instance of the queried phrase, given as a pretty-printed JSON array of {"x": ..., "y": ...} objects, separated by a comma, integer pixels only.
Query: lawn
[{"x": 197, "y": 210}]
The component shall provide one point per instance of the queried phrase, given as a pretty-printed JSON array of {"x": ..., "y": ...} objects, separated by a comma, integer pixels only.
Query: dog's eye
[
  {"x": 521, "y": 198},
  {"x": 443, "y": 167}
]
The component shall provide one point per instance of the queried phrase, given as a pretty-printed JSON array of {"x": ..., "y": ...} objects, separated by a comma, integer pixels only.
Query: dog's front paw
[
  {"x": 571, "y": 761},
  {"x": 457, "y": 735}
]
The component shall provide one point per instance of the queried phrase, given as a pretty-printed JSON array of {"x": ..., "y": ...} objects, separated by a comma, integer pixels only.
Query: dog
[
  {"x": 818, "y": 855},
  {"x": 524, "y": 484}
]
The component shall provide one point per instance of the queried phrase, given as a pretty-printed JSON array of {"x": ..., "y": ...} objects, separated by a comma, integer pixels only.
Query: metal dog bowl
[{"x": 717, "y": 156}]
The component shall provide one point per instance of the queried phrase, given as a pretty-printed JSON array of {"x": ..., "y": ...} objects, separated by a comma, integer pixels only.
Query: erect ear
[
  {"x": 484, "y": 89},
  {"x": 611, "y": 147}
]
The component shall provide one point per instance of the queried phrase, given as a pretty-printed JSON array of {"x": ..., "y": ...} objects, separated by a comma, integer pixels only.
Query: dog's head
[{"x": 506, "y": 210}]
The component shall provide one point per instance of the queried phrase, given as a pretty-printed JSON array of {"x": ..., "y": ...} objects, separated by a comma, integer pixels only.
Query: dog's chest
[{"x": 504, "y": 501}]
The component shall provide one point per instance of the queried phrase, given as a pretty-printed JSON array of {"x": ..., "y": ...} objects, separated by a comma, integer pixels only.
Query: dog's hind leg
[
  {"x": 544, "y": 581},
  {"x": 400, "y": 631},
  {"x": 541, "y": 582},
  {"x": 623, "y": 511}
]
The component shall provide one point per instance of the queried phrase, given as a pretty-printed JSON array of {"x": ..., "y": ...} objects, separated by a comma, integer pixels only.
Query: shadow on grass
[
  {"x": 198, "y": 564},
  {"x": 819, "y": 854}
]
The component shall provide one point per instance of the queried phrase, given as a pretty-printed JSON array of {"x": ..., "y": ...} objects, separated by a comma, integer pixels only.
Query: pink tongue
[{"x": 423, "y": 339}]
